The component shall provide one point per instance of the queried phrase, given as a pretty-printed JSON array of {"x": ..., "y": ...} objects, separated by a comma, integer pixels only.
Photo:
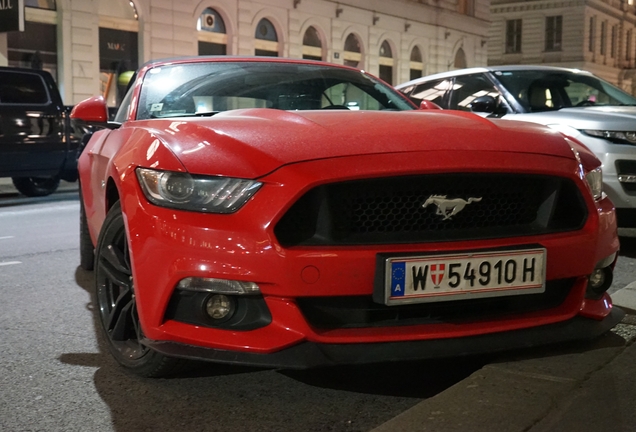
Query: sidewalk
[{"x": 582, "y": 388}]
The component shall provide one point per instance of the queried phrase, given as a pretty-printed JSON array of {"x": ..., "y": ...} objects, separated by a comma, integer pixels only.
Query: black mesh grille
[
  {"x": 391, "y": 210},
  {"x": 361, "y": 311}
]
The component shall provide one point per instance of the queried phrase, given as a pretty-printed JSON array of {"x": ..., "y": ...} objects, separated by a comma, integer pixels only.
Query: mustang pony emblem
[{"x": 448, "y": 207}]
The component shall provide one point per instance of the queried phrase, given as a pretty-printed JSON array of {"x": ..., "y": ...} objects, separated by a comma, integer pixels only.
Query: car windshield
[
  {"x": 546, "y": 90},
  {"x": 205, "y": 88}
]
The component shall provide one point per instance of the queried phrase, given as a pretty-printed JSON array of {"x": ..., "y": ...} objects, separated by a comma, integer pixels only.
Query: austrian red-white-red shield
[{"x": 437, "y": 273}]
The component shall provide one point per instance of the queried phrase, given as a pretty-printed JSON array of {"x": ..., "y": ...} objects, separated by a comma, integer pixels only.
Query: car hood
[
  {"x": 614, "y": 118},
  {"x": 254, "y": 142}
]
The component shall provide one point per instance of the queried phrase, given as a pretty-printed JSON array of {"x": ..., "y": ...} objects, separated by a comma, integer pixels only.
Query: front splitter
[{"x": 308, "y": 354}]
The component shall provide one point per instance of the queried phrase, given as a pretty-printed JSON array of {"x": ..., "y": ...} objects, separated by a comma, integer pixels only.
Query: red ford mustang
[{"x": 290, "y": 213}]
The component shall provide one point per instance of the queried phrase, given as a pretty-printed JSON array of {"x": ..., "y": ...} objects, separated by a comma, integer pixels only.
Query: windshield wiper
[{"x": 196, "y": 114}]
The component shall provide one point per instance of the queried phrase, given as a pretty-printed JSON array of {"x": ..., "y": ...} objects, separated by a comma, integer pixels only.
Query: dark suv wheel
[{"x": 36, "y": 186}]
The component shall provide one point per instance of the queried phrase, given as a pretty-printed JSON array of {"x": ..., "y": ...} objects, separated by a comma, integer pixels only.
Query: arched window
[
  {"x": 212, "y": 35},
  {"x": 118, "y": 47},
  {"x": 352, "y": 51},
  {"x": 386, "y": 62},
  {"x": 312, "y": 45},
  {"x": 460, "y": 59},
  {"x": 416, "y": 65},
  {"x": 266, "y": 43}
]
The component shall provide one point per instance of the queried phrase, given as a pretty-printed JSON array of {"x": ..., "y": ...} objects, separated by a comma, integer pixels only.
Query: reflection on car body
[
  {"x": 579, "y": 104},
  {"x": 236, "y": 217}
]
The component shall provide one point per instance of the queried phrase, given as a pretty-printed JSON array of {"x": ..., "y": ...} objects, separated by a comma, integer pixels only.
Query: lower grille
[
  {"x": 392, "y": 210},
  {"x": 627, "y": 167},
  {"x": 361, "y": 311},
  {"x": 626, "y": 217}
]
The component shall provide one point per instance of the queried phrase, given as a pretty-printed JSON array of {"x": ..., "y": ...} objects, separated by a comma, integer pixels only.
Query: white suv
[{"x": 578, "y": 103}]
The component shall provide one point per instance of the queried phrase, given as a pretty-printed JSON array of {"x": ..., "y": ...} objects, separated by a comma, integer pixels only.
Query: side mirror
[
  {"x": 91, "y": 114},
  {"x": 484, "y": 104},
  {"x": 428, "y": 105},
  {"x": 93, "y": 110}
]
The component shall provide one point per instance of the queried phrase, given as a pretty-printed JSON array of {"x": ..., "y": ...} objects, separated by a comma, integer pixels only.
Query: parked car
[
  {"x": 290, "y": 213},
  {"x": 37, "y": 145},
  {"x": 583, "y": 106}
]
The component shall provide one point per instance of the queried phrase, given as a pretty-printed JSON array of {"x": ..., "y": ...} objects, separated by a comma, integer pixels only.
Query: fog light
[
  {"x": 597, "y": 278},
  {"x": 599, "y": 282},
  {"x": 219, "y": 306}
]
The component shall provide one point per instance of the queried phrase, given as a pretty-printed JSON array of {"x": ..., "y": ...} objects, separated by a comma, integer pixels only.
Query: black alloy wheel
[{"x": 117, "y": 305}]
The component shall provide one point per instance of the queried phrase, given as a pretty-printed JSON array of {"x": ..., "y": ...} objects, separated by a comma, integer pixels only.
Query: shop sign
[
  {"x": 117, "y": 49},
  {"x": 116, "y": 43},
  {"x": 11, "y": 15}
]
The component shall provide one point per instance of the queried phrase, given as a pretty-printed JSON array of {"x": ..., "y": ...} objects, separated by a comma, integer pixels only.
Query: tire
[
  {"x": 114, "y": 289},
  {"x": 87, "y": 250},
  {"x": 36, "y": 186}
]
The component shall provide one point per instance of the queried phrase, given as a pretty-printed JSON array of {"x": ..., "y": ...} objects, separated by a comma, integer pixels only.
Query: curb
[
  {"x": 519, "y": 393},
  {"x": 625, "y": 298}
]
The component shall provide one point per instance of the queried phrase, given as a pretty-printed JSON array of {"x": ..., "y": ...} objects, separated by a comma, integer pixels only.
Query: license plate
[{"x": 464, "y": 276}]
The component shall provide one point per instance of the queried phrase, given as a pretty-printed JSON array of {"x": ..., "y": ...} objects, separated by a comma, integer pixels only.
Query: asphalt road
[{"x": 55, "y": 373}]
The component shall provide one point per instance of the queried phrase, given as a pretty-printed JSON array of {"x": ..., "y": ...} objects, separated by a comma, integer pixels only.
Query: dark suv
[{"x": 36, "y": 145}]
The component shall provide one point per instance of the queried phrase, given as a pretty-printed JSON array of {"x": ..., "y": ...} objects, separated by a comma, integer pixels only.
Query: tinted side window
[
  {"x": 22, "y": 88},
  {"x": 434, "y": 91},
  {"x": 469, "y": 87},
  {"x": 124, "y": 108}
]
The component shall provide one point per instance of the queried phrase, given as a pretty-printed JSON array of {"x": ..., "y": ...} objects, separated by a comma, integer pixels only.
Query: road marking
[
  {"x": 10, "y": 263},
  {"x": 6, "y": 237}
]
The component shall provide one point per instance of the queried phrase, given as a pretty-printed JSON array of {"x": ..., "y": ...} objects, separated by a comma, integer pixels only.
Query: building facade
[
  {"x": 92, "y": 45},
  {"x": 594, "y": 35}
]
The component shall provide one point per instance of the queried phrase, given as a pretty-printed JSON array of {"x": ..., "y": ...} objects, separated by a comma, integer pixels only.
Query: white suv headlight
[
  {"x": 628, "y": 137},
  {"x": 197, "y": 193},
  {"x": 595, "y": 180}
]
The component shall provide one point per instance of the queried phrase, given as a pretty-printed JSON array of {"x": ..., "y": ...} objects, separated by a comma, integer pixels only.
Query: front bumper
[
  {"x": 617, "y": 159},
  {"x": 169, "y": 245},
  {"x": 611, "y": 154},
  {"x": 312, "y": 354}
]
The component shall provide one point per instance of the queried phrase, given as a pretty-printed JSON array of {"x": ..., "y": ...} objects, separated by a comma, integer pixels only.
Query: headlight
[
  {"x": 595, "y": 180},
  {"x": 197, "y": 193},
  {"x": 628, "y": 137}
]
